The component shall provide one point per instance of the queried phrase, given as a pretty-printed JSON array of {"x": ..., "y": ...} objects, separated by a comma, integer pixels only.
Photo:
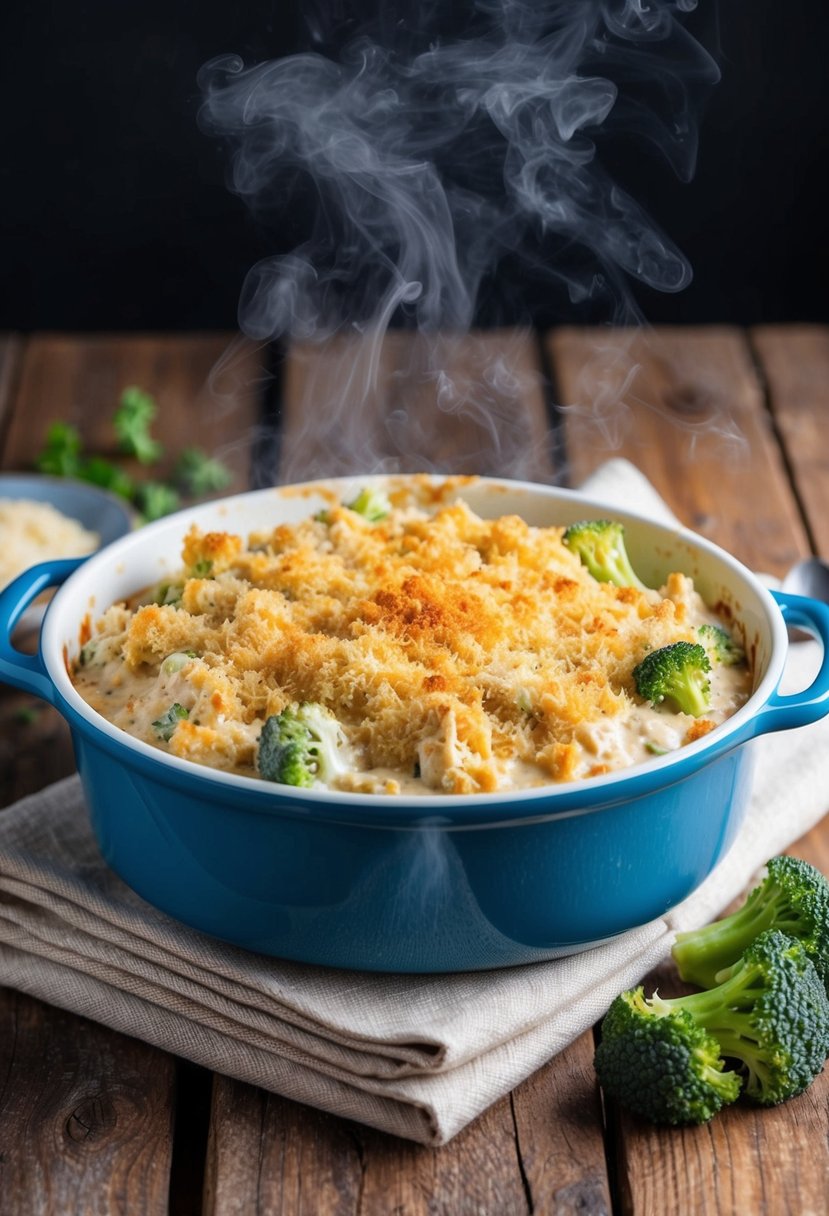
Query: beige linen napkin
[{"x": 419, "y": 1056}]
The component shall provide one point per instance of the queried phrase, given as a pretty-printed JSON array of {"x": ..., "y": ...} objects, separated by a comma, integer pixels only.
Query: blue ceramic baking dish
[{"x": 416, "y": 884}]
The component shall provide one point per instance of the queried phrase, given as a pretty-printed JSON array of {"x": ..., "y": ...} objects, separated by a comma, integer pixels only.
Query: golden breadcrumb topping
[{"x": 449, "y": 647}]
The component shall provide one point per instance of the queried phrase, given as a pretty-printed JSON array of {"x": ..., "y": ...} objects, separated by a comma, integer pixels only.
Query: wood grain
[
  {"x": 687, "y": 407},
  {"x": 550, "y": 1155},
  {"x": 11, "y": 352},
  {"x": 86, "y": 1116},
  {"x": 558, "y": 1129},
  {"x": 268, "y": 1155},
  {"x": 207, "y": 388},
  {"x": 538, "y": 1151},
  {"x": 795, "y": 364},
  {"x": 463, "y": 405}
]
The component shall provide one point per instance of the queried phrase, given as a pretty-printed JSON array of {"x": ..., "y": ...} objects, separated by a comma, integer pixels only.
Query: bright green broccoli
[
  {"x": 769, "y": 1013},
  {"x": 372, "y": 503},
  {"x": 300, "y": 746},
  {"x": 167, "y": 723},
  {"x": 668, "y": 1069},
  {"x": 679, "y": 673},
  {"x": 600, "y": 544},
  {"x": 793, "y": 897},
  {"x": 720, "y": 646}
]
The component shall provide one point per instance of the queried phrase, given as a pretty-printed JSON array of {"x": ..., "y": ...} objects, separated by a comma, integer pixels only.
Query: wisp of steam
[{"x": 415, "y": 165}]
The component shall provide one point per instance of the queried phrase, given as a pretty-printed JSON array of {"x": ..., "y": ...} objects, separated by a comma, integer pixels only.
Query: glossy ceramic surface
[{"x": 431, "y": 883}]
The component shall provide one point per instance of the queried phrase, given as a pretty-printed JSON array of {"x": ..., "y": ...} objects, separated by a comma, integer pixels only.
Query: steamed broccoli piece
[
  {"x": 769, "y": 1013},
  {"x": 300, "y": 746},
  {"x": 600, "y": 544},
  {"x": 793, "y": 897},
  {"x": 372, "y": 503},
  {"x": 720, "y": 645},
  {"x": 668, "y": 1069},
  {"x": 167, "y": 723},
  {"x": 679, "y": 673}
]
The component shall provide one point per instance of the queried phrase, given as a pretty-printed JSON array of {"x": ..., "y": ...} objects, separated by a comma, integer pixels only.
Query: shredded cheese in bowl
[{"x": 32, "y": 532}]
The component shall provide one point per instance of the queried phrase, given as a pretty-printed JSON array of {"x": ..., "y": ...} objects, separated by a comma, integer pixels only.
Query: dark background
[{"x": 117, "y": 216}]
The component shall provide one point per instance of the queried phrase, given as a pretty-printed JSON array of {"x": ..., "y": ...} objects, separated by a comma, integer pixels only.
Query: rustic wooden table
[{"x": 730, "y": 427}]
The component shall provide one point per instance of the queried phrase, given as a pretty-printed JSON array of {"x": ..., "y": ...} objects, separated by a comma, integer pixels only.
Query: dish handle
[
  {"x": 783, "y": 711},
  {"x": 28, "y": 671}
]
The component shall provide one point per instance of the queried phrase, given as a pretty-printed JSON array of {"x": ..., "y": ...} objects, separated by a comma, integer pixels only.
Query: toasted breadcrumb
[{"x": 448, "y": 646}]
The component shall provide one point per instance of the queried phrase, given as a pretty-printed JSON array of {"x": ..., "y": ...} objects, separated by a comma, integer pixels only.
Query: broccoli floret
[
  {"x": 678, "y": 673},
  {"x": 770, "y": 1014},
  {"x": 372, "y": 503},
  {"x": 720, "y": 646},
  {"x": 167, "y": 723},
  {"x": 793, "y": 897},
  {"x": 600, "y": 544},
  {"x": 668, "y": 1069},
  {"x": 300, "y": 746}
]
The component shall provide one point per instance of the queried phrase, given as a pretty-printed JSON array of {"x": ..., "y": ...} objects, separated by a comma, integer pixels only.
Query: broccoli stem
[
  {"x": 703, "y": 954},
  {"x": 727, "y": 1011}
]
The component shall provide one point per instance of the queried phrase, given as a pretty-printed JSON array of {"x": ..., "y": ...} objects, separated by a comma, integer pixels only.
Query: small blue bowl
[{"x": 94, "y": 508}]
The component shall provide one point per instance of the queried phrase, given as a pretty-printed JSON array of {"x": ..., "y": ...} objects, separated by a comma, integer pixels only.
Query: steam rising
[{"x": 422, "y": 168}]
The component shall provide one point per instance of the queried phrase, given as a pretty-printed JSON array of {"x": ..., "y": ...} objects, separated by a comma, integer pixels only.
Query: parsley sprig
[{"x": 195, "y": 473}]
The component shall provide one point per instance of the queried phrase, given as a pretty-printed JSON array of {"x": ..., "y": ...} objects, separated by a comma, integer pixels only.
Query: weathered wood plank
[
  {"x": 207, "y": 388},
  {"x": 266, "y": 1154},
  {"x": 541, "y": 1149},
  {"x": 464, "y": 405},
  {"x": 687, "y": 407},
  {"x": 11, "y": 353},
  {"x": 558, "y": 1128},
  {"x": 86, "y": 1116},
  {"x": 510, "y": 1162},
  {"x": 795, "y": 363}
]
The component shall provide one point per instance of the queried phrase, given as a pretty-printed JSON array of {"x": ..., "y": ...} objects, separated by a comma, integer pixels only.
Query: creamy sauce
[{"x": 135, "y": 701}]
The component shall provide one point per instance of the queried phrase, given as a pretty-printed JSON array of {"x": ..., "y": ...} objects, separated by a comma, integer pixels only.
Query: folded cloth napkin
[{"x": 419, "y": 1056}]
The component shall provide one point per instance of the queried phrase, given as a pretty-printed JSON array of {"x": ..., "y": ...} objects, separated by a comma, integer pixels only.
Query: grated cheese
[{"x": 32, "y": 532}]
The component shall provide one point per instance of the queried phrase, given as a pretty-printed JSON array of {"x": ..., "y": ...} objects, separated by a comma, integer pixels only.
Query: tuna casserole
[{"x": 381, "y": 647}]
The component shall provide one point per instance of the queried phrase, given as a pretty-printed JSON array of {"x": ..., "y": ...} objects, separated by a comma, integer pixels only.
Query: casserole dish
[{"x": 413, "y": 883}]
